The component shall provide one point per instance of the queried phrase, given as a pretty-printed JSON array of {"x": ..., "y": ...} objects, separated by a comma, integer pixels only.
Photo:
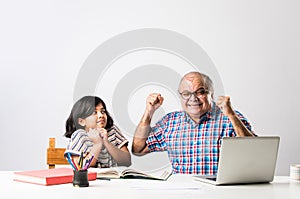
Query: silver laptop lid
[{"x": 247, "y": 159}]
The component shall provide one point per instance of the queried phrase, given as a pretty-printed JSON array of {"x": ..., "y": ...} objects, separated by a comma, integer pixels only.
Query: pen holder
[{"x": 80, "y": 178}]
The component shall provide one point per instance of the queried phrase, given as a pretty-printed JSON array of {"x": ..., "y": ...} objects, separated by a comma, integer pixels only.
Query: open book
[{"x": 128, "y": 172}]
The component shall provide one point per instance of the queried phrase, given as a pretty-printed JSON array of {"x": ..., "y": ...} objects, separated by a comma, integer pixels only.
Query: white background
[{"x": 254, "y": 44}]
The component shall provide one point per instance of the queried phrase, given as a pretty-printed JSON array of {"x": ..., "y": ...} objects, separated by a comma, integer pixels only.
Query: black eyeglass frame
[{"x": 199, "y": 93}]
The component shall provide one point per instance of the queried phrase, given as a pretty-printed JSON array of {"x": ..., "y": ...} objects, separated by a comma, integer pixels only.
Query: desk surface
[{"x": 177, "y": 186}]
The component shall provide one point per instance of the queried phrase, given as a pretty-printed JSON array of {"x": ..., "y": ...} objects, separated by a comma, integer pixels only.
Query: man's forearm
[
  {"x": 139, "y": 145},
  {"x": 239, "y": 127}
]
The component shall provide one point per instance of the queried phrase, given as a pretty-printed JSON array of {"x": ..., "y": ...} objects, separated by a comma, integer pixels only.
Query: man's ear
[{"x": 81, "y": 122}]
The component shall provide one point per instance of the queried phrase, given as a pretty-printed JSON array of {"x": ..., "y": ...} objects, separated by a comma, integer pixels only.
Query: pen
[{"x": 104, "y": 178}]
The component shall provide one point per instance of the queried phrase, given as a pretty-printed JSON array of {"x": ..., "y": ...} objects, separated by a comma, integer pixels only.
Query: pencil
[
  {"x": 75, "y": 165},
  {"x": 80, "y": 161},
  {"x": 86, "y": 166},
  {"x": 70, "y": 162}
]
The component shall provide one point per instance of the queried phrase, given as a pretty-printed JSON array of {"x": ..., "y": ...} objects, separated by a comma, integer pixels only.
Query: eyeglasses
[{"x": 201, "y": 92}]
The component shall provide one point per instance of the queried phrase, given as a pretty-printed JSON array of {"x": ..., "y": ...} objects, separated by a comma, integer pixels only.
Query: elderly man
[{"x": 192, "y": 136}]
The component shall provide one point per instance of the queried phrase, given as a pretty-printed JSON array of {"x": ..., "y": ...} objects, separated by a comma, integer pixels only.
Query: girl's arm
[
  {"x": 122, "y": 155},
  {"x": 97, "y": 146}
]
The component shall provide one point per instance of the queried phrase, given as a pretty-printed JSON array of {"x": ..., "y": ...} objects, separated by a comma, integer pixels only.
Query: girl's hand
[
  {"x": 94, "y": 136},
  {"x": 103, "y": 134}
]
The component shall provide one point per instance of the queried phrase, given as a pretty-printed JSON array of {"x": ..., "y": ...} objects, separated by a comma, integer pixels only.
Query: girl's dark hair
[{"x": 83, "y": 108}]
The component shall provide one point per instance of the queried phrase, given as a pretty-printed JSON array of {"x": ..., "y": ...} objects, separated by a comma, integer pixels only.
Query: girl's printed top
[{"x": 80, "y": 142}]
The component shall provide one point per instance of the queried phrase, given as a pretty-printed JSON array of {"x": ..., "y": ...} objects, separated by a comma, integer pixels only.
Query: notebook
[{"x": 245, "y": 160}]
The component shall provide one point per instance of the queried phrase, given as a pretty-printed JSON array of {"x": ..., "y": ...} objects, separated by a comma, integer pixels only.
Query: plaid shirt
[{"x": 193, "y": 148}]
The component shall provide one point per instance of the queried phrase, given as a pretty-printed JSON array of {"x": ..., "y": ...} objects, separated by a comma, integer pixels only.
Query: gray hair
[{"x": 208, "y": 83}]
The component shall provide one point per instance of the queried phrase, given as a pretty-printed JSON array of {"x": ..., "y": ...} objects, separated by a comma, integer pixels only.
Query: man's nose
[{"x": 194, "y": 97}]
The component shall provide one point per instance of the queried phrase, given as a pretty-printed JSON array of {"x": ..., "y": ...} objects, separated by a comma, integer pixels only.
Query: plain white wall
[{"x": 254, "y": 45}]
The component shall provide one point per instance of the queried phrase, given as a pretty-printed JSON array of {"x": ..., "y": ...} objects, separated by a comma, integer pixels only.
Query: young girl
[{"x": 92, "y": 131}]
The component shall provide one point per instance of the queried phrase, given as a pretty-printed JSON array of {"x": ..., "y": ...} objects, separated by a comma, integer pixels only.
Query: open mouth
[{"x": 194, "y": 105}]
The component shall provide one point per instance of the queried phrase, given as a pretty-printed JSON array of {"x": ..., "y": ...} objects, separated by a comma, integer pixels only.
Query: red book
[{"x": 49, "y": 176}]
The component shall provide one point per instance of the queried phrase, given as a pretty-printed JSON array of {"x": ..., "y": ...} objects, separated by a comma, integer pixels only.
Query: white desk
[{"x": 282, "y": 188}]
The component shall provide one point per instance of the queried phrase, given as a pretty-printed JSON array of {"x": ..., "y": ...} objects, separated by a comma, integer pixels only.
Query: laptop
[{"x": 245, "y": 160}]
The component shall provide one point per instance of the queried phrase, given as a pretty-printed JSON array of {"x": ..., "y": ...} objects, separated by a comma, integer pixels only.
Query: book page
[
  {"x": 113, "y": 172},
  {"x": 159, "y": 174}
]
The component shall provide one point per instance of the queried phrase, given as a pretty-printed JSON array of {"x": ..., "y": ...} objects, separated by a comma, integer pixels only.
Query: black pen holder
[{"x": 80, "y": 178}]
